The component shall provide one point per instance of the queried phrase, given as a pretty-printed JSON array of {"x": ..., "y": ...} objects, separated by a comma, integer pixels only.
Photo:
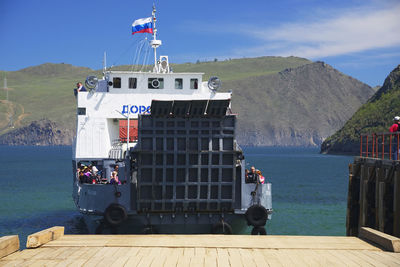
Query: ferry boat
[{"x": 169, "y": 138}]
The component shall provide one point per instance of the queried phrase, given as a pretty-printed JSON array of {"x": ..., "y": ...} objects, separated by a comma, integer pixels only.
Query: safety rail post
[
  {"x": 361, "y": 137},
  {"x": 373, "y": 145},
  {"x": 366, "y": 154},
  {"x": 390, "y": 146},
  {"x": 397, "y": 151},
  {"x": 383, "y": 146}
]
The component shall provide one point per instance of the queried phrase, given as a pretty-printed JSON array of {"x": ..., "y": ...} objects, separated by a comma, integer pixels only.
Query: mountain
[
  {"x": 42, "y": 133},
  {"x": 373, "y": 117},
  {"x": 297, "y": 106},
  {"x": 281, "y": 101}
]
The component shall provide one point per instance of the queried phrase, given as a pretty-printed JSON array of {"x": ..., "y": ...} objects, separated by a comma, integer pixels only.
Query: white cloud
[{"x": 354, "y": 31}]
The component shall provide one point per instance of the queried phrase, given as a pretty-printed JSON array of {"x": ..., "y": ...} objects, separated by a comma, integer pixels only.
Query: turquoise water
[{"x": 309, "y": 190}]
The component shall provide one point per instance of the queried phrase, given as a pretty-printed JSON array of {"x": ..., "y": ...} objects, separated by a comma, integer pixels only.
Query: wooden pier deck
[{"x": 57, "y": 249}]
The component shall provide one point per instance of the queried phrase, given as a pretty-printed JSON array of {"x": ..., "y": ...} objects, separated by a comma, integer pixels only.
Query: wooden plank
[
  {"x": 8, "y": 244},
  {"x": 173, "y": 256},
  {"x": 209, "y": 261},
  {"x": 369, "y": 260},
  {"x": 37, "y": 239},
  {"x": 343, "y": 260},
  {"x": 350, "y": 204},
  {"x": 270, "y": 257},
  {"x": 364, "y": 201},
  {"x": 396, "y": 204},
  {"x": 183, "y": 261},
  {"x": 235, "y": 259},
  {"x": 258, "y": 258},
  {"x": 389, "y": 242},
  {"x": 383, "y": 257}
]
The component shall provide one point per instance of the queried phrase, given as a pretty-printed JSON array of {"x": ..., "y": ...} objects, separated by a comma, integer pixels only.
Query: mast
[
  {"x": 5, "y": 87},
  {"x": 104, "y": 64},
  {"x": 155, "y": 43}
]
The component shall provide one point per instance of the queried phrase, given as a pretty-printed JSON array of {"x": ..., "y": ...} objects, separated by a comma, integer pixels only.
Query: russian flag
[{"x": 142, "y": 25}]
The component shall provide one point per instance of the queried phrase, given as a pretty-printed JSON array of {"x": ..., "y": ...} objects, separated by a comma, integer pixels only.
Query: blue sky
[{"x": 359, "y": 38}]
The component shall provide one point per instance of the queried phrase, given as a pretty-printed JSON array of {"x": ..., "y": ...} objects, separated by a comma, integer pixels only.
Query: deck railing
[{"x": 380, "y": 145}]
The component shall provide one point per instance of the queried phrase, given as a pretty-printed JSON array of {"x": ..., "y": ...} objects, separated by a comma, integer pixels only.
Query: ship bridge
[{"x": 104, "y": 111}]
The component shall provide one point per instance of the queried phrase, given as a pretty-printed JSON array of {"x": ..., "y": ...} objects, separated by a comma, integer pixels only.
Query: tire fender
[
  {"x": 256, "y": 215},
  {"x": 258, "y": 230},
  {"x": 115, "y": 214}
]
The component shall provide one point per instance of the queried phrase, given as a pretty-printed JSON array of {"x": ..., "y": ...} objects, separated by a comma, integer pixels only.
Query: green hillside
[
  {"x": 46, "y": 91},
  {"x": 374, "y": 116}
]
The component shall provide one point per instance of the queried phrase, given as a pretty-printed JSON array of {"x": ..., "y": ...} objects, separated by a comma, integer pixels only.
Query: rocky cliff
[
  {"x": 38, "y": 133},
  {"x": 295, "y": 107},
  {"x": 374, "y": 116}
]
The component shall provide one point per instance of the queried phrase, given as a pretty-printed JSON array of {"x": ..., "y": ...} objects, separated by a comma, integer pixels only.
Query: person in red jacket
[{"x": 395, "y": 128}]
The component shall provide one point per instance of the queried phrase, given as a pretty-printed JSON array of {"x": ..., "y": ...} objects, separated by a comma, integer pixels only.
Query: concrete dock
[{"x": 52, "y": 248}]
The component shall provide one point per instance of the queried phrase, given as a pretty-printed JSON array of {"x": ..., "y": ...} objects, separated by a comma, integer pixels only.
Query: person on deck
[
  {"x": 114, "y": 176},
  {"x": 393, "y": 129},
  {"x": 79, "y": 88},
  {"x": 252, "y": 176},
  {"x": 261, "y": 179}
]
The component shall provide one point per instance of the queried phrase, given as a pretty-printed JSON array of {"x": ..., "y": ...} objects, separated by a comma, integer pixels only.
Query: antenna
[
  {"x": 5, "y": 87},
  {"x": 155, "y": 43},
  {"x": 104, "y": 64}
]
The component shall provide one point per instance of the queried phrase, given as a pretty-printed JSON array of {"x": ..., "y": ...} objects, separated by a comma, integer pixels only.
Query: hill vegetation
[
  {"x": 280, "y": 101},
  {"x": 373, "y": 117}
]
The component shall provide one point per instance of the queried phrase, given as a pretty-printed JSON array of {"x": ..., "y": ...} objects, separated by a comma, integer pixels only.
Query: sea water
[{"x": 309, "y": 190}]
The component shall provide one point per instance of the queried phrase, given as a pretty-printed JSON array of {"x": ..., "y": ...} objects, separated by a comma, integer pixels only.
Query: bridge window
[
  {"x": 155, "y": 83},
  {"x": 178, "y": 83},
  {"x": 193, "y": 84},
  {"x": 81, "y": 111},
  {"x": 132, "y": 83},
  {"x": 117, "y": 82}
]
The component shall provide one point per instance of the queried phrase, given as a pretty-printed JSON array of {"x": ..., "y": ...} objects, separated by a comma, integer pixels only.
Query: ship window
[
  {"x": 81, "y": 111},
  {"x": 178, "y": 83},
  {"x": 132, "y": 83},
  {"x": 193, "y": 84},
  {"x": 117, "y": 82},
  {"x": 155, "y": 83}
]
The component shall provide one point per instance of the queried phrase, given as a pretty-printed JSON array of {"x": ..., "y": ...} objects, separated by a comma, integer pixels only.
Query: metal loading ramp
[{"x": 187, "y": 160}]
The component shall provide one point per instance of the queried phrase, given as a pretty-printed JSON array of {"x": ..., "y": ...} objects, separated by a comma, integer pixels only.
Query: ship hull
[{"x": 168, "y": 224}]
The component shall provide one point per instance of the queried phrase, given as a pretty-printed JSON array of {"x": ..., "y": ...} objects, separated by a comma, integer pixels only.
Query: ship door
[
  {"x": 133, "y": 130},
  {"x": 98, "y": 137}
]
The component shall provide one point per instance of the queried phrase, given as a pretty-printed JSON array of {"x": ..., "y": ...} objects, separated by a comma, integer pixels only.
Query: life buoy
[
  {"x": 258, "y": 230},
  {"x": 222, "y": 228},
  {"x": 115, "y": 214},
  {"x": 256, "y": 215}
]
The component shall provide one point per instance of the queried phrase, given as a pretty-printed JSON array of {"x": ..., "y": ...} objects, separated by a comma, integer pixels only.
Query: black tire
[
  {"x": 258, "y": 230},
  {"x": 222, "y": 228},
  {"x": 256, "y": 215},
  {"x": 115, "y": 214}
]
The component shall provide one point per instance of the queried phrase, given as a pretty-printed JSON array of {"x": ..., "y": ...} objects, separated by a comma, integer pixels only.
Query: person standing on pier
[{"x": 394, "y": 129}]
